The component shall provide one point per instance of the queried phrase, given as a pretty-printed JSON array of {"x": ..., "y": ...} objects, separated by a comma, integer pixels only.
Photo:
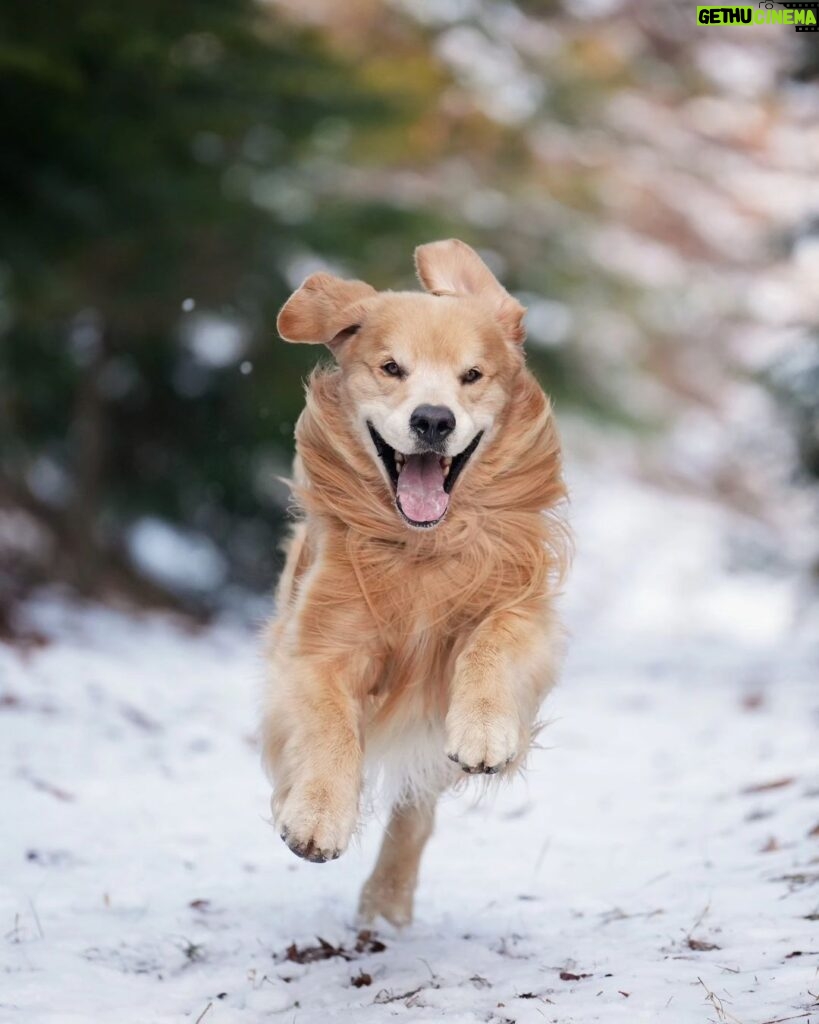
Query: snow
[
  {"x": 671, "y": 804},
  {"x": 215, "y": 341},
  {"x": 179, "y": 559}
]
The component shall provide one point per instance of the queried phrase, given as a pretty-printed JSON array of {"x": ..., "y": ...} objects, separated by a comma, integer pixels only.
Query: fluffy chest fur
[
  {"x": 517, "y": 470},
  {"x": 412, "y": 598}
]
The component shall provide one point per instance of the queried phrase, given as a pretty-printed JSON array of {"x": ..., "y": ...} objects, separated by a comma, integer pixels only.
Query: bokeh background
[{"x": 170, "y": 171}]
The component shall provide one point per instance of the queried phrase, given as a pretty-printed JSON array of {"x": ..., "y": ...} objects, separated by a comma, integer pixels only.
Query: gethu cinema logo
[{"x": 763, "y": 14}]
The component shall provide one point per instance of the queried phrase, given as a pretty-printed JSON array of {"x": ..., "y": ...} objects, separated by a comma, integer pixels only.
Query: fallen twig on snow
[
  {"x": 201, "y": 1016},
  {"x": 718, "y": 1005}
]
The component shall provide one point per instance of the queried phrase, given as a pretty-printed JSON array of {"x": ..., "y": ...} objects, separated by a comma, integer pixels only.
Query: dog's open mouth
[{"x": 422, "y": 483}]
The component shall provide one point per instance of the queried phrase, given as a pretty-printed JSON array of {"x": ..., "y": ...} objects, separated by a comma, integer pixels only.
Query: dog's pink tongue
[{"x": 421, "y": 488}]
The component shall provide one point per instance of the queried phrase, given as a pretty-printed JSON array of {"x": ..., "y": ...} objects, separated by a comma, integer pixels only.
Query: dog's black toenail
[
  {"x": 492, "y": 769},
  {"x": 453, "y": 757},
  {"x": 308, "y": 851}
]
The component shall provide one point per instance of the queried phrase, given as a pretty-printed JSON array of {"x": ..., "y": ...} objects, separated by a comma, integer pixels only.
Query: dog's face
[{"x": 427, "y": 375}]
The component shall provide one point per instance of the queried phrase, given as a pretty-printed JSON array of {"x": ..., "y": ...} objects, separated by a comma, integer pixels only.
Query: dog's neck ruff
[{"x": 513, "y": 481}]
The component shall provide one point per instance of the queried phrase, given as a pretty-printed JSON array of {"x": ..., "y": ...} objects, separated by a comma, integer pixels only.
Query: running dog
[{"x": 415, "y": 633}]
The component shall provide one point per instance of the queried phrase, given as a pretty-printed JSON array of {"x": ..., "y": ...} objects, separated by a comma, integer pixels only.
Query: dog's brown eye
[
  {"x": 392, "y": 369},
  {"x": 471, "y": 376}
]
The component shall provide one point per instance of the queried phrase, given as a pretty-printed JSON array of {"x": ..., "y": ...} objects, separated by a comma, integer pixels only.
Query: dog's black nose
[{"x": 432, "y": 423}]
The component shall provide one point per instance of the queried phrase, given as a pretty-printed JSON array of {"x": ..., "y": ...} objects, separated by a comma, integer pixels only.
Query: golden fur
[{"x": 419, "y": 652}]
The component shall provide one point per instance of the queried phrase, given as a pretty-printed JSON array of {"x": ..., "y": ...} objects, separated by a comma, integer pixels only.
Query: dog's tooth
[
  {"x": 446, "y": 471},
  {"x": 399, "y": 461}
]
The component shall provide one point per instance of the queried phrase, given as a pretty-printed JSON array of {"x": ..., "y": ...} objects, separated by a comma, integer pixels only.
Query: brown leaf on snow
[
  {"x": 310, "y": 954},
  {"x": 765, "y": 787},
  {"x": 568, "y": 976},
  {"x": 361, "y": 979},
  {"x": 770, "y": 846},
  {"x": 368, "y": 943},
  {"x": 814, "y": 832},
  {"x": 365, "y": 943},
  {"x": 700, "y": 945}
]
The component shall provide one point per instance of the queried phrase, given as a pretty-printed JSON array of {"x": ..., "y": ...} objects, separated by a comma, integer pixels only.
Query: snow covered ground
[{"x": 660, "y": 861}]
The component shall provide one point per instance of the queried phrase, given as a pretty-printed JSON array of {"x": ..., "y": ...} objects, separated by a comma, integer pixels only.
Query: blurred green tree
[
  {"x": 148, "y": 206},
  {"x": 169, "y": 171}
]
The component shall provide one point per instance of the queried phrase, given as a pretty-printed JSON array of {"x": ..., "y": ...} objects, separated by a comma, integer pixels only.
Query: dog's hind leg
[{"x": 390, "y": 890}]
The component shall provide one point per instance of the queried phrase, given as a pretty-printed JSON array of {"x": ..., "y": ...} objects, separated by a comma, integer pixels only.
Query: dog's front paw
[
  {"x": 481, "y": 740},
  {"x": 317, "y": 826}
]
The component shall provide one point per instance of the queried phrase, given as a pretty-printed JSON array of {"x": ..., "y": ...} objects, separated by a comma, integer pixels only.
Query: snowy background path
[{"x": 660, "y": 862}]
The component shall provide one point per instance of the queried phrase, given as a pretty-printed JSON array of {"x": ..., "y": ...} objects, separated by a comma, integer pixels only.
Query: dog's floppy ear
[
  {"x": 453, "y": 268},
  {"x": 325, "y": 310}
]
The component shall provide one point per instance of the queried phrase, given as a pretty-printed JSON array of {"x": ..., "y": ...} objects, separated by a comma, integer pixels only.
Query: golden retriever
[{"x": 415, "y": 633}]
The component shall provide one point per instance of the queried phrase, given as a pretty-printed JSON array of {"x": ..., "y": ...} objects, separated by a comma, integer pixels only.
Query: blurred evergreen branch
[
  {"x": 136, "y": 141},
  {"x": 170, "y": 171}
]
